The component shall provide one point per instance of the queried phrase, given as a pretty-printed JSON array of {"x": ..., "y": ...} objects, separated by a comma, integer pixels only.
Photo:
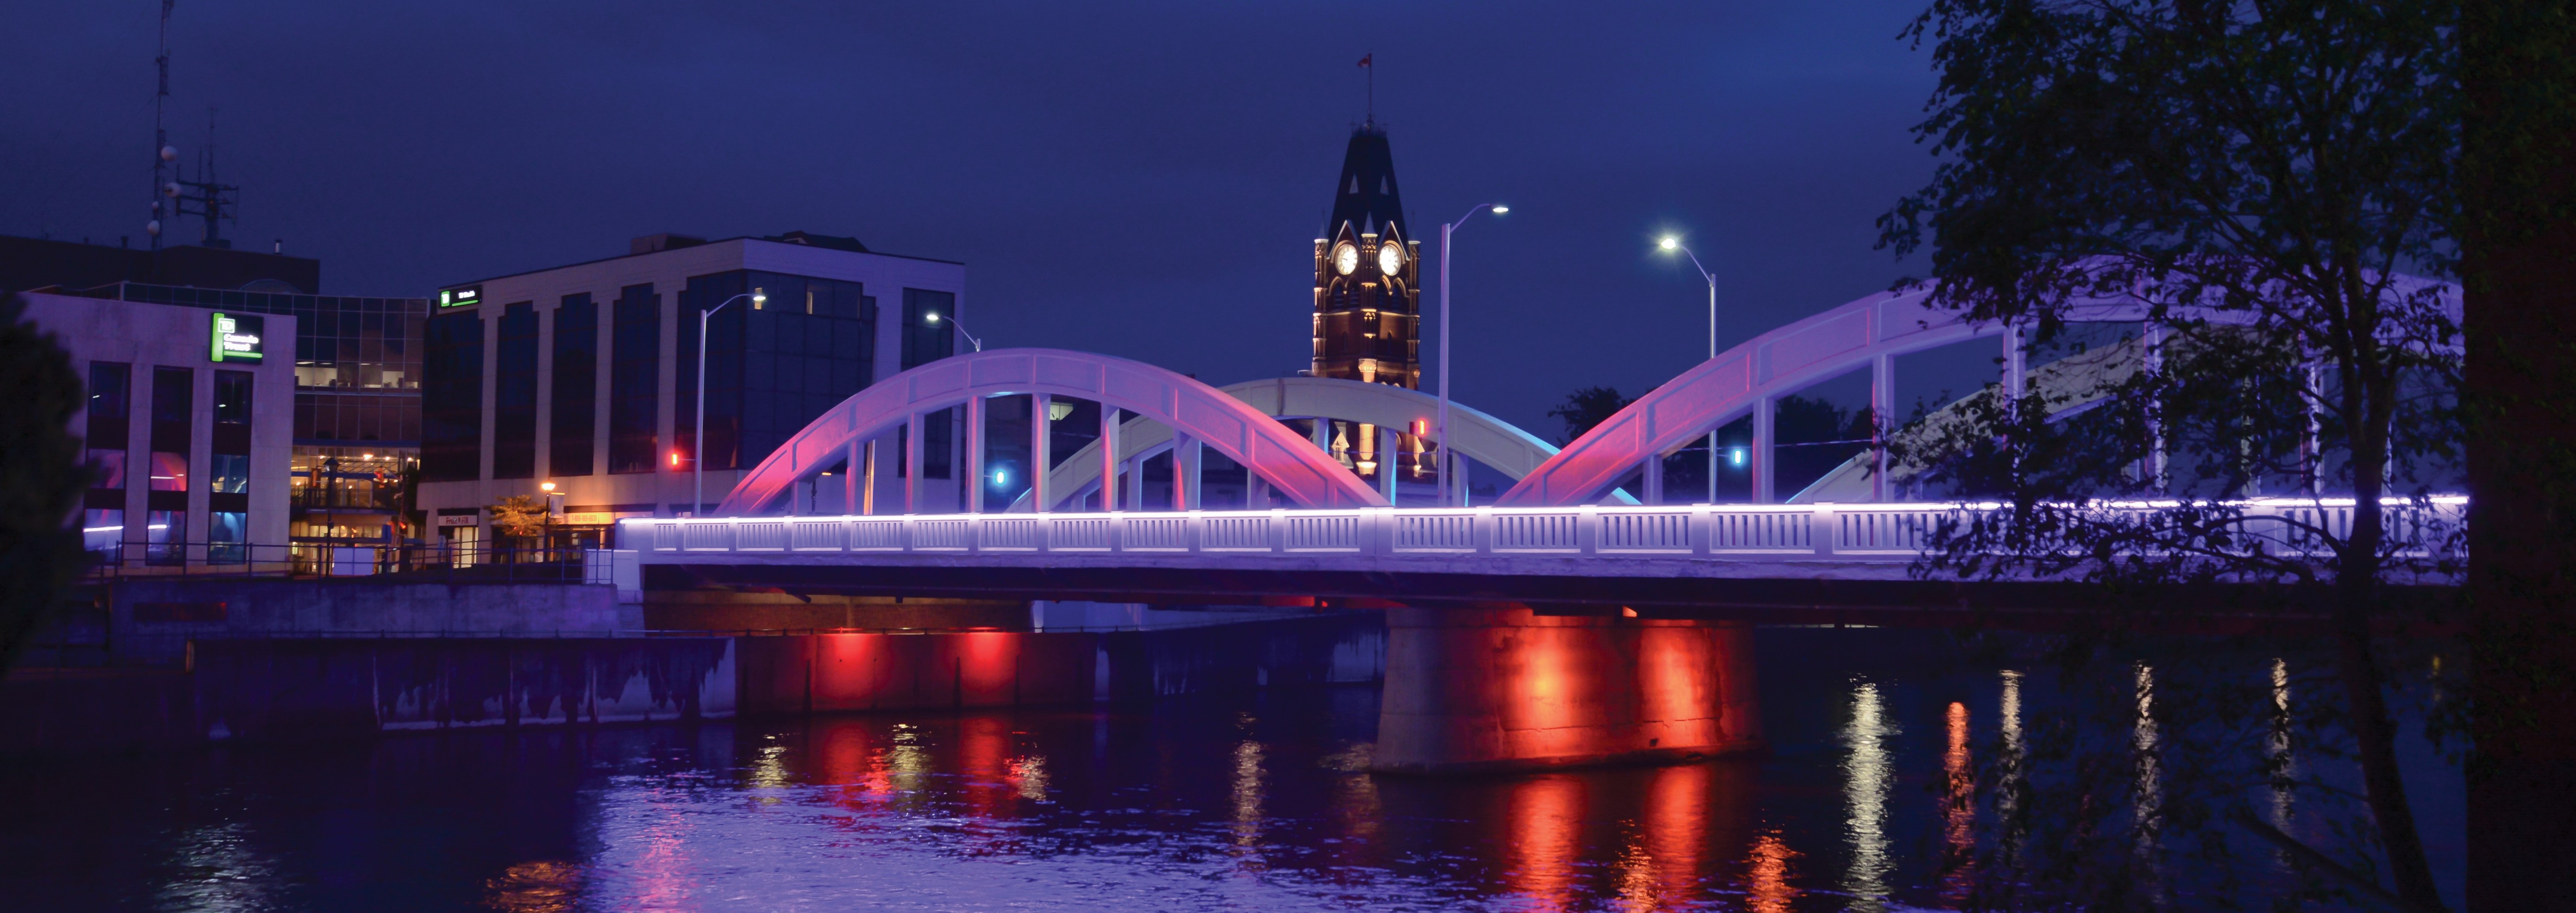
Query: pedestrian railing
[{"x": 1857, "y": 532}]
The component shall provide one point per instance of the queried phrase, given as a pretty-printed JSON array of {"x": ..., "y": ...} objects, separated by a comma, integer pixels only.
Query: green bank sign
[{"x": 238, "y": 338}]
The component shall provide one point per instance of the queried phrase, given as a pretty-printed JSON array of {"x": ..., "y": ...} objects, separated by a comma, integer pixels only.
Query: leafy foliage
[
  {"x": 2260, "y": 176},
  {"x": 41, "y": 477},
  {"x": 1585, "y": 408},
  {"x": 519, "y": 516}
]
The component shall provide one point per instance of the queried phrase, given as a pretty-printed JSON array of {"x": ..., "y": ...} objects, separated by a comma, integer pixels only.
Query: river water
[{"x": 1250, "y": 801}]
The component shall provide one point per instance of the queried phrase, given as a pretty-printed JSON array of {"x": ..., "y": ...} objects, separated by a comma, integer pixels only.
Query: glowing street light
[
  {"x": 1443, "y": 465},
  {"x": 932, "y": 318},
  {"x": 698, "y": 460},
  {"x": 1671, "y": 244}
]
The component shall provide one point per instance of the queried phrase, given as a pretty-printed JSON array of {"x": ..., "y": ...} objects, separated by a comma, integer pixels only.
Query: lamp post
[
  {"x": 1445, "y": 229},
  {"x": 933, "y": 319},
  {"x": 1670, "y": 244},
  {"x": 698, "y": 440}
]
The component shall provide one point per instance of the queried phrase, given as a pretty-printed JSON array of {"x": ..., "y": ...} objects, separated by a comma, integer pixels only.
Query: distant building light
[{"x": 1735, "y": 457}]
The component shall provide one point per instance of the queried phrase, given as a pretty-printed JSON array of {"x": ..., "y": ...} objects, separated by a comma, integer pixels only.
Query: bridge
[{"x": 1569, "y": 620}]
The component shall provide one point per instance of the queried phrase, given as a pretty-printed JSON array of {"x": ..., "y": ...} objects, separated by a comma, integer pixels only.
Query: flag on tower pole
[{"x": 1364, "y": 61}]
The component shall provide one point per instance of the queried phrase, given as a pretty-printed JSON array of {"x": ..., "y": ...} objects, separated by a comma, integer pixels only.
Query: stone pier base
[{"x": 1470, "y": 690}]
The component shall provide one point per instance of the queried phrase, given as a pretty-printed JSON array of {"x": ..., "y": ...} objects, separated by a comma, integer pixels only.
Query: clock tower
[{"x": 1367, "y": 278}]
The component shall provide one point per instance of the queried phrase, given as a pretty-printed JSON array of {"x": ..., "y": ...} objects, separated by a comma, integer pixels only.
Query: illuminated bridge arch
[
  {"x": 1748, "y": 379},
  {"x": 1285, "y": 461},
  {"x": 1473, "y": 434}
]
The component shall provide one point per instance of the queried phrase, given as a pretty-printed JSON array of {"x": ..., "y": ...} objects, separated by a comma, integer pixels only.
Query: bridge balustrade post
[
  {"x": 1587, "y": 529},
  {"x": 1039, "y": 460},
  {"x": 1820, "y": 530},
  {"x": 974, "y": 480},
  {"x": 1703, "y": 524}
]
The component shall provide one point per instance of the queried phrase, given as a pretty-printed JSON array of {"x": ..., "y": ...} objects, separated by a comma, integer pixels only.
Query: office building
[
  {"x": 356, "y": 417},
  {"x": 585, "y": 377},
  {"x": 188, "y": 426}
]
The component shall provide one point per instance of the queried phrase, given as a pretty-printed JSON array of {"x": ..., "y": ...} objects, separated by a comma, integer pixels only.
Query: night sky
[{"x": 1144, "y": 181}]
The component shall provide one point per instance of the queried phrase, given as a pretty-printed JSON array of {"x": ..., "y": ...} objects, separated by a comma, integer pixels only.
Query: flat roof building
[
  {"x": 188, "y": 423},
  {"x": 585, "y": 376}
]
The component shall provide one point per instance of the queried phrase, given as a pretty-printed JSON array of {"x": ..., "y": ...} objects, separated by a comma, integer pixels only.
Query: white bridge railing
[{"x": 1860, "y": 532}]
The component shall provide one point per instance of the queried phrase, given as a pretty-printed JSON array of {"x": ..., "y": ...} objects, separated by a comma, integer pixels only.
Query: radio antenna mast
[{"x": 163, "y": 191}]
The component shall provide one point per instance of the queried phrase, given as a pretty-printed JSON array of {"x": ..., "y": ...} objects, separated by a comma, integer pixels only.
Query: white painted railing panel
[
  {"x": 1011, "y": 534},
  {"x": 1324, "y": 533},
  {"x": 1761, "y": 531},
  {"x": 1884, "y": 530},
  {"x": 1441, "y": 532},
  {"x": 1078, "y": 534},
  {"x": 876, "y": 534},
  {"x": 1238, "y": 533},
  {"x": 1645, "y": 532},
  {"x": 816, "y": 535},
  {"x": 708, "y": 537},
  {"x": 1554, "y": 531},
  {"x": 945, "y": 535},
  {"x": 1155, "y": 534}
]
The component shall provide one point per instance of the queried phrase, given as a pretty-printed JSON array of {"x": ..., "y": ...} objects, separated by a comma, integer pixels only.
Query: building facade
[
  {"x": 585, "y": 377},
  {"x": 188, "y": 425},
  {"x": 356, "y": 418}
]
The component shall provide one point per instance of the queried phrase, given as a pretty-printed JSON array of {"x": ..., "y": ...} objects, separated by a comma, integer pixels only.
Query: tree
[
  {"x": 519, "y": 517},
  {"x": 1585, "y": 408},
  {"x": 2259, "y": 175},
  {"x": 41, "y": 477}
]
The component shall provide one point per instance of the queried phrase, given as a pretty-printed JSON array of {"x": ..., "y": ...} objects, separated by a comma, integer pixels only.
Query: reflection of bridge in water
[{"x": 1564, "y": 621}]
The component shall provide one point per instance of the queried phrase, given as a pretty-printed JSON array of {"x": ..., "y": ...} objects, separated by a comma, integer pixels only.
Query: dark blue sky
[{"x": 1144, "y": 180}]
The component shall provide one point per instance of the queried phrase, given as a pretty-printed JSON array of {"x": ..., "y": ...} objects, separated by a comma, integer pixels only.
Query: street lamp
[
  {"x": 698, "y": 460},
  {"x": 1669, "y": 245},
  {"x": 933, "y": 319},
  {"x": 1445, "y": 230}
]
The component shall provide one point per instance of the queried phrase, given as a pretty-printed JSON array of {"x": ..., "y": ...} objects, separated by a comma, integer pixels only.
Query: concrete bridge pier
[{"x": 1476, "y": 689}]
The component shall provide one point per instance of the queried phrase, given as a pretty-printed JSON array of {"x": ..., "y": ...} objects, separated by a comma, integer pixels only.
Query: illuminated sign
[
  {"x": 461, "y": 297},
  {"x": 237, "y": 338}
]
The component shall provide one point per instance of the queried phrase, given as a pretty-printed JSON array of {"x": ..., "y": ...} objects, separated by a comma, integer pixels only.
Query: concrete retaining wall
[
  {"x": 173, "y": 611},
  {"x": 338, "y": 687}
]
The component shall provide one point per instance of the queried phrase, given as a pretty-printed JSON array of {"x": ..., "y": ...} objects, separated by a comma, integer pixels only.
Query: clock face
[
  {"x": 1346, "y": 258},
  {"x": 1390, "y": 258}
]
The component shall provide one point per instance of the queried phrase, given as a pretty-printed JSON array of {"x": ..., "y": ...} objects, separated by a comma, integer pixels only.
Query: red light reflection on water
[
  {"x": 1766, "y": 876},
  {"x": 1545, "y": 838},
  {"x": 1959, "y": 816}
]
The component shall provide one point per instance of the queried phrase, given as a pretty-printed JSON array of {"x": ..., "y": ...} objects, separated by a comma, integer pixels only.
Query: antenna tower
[
  {"x": 162, "y": 153},
  {"x": 214, "y": 199}
]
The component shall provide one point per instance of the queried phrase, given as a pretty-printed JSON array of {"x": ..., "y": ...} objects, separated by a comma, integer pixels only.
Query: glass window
[
  {"x": 635, "y": 382},
  {"x": 227, "y": 537},
  {"x": 165, "y": 536},
  {"x": 230, "y": 474},
  {"x": 451, "y": 417},
  {"x": 107, "y": 388},
  {"x": 169, "y": 471},
  {"x": 576, "y": 391},
  {"x": 514, "y": 394},
  {"x": 110, "y": 466},
  {"x": 102, "y": 528},
  {"x": 173, "y": 392},
  {"x": 232, "y": 397}
]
